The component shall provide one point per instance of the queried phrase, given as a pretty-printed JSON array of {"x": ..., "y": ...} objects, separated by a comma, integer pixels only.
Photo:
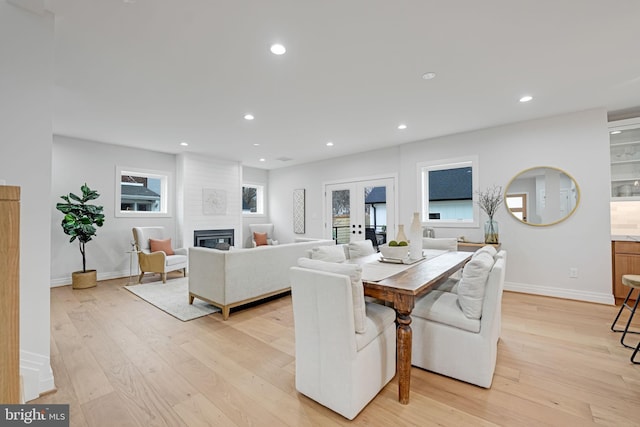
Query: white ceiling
[{"x": 153, "y": 73}]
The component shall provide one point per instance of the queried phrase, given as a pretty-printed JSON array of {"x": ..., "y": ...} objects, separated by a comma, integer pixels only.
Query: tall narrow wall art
[{"x": 298, "y": 211}]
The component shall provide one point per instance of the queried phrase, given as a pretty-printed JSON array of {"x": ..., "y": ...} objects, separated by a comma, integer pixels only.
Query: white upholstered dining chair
[
  {"x": 345, "y": 348},
  {"x": 461, "y": 340}
]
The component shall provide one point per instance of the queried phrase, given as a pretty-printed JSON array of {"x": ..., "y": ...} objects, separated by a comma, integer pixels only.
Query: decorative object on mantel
[
  {"x": 298, "y": 211},
  {"x": 214, "y": 201},
  {"x": 489, "y": 201},
  {"x": 415, "y": 237},
  {"x": 80, "y": 222}
]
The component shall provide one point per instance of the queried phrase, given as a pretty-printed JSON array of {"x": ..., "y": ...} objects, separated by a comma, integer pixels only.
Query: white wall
[
  {"x": 539, "y": 257},
  {"x": 311, "y": 177},
  {"x": 260, "y": 177},
  {"x": 26, "y": 49},
  {"x": 196, "y": 173},
  {"x": 76, "y": 161}
]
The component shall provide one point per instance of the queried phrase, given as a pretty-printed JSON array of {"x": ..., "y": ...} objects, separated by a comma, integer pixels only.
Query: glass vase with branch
[{"x": 489, "y": 201}]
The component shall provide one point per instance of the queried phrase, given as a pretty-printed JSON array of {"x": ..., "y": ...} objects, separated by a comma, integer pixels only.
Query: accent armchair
[
  {"x": 264, "y": 229},
  {"x": 345, "y": 348},
  {"x": 158, "y": 261}
]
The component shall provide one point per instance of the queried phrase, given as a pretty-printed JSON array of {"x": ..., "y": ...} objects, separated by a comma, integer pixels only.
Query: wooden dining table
[{"x": 402, "y": 289}]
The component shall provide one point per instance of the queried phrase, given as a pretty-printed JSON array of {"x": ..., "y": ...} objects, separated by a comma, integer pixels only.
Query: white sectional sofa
[{"x": 232, "y": 278}]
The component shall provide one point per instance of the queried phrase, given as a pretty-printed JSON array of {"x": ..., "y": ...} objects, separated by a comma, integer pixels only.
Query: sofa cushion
[
  {"x": 442, "y": 307},
  {"x": 260, "y": 238},
  {"x": 472, "y": 285},
  {"x": 360, "y": 249},
  {"x": 354, "y": 272},
  {"x": 163, "y": 245},
  {"x": 328, "y": 253}
]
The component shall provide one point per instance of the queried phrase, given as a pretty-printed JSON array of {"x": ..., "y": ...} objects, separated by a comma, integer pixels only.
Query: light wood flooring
[{"x": 119, "y": 361}]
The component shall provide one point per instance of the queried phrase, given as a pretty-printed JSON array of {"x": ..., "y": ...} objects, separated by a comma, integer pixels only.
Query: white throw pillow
[
  {"x": 354, "y": 272},
  {"x": 329, "y": 253},
  {"x": 486, "y": 249},
  {"x": 360, "y": 249},
  {"x": 472, "y": 285}
]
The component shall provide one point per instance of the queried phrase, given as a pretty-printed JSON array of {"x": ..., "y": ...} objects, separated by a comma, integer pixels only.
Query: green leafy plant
[{"x": 81, "y": 219}]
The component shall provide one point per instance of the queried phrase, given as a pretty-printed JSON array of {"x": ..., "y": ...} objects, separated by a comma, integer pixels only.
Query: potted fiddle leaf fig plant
[{"x": 80, "y": 222}]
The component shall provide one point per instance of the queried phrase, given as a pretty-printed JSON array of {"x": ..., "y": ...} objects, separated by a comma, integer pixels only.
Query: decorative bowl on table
[{"x": 394, "y": 252}]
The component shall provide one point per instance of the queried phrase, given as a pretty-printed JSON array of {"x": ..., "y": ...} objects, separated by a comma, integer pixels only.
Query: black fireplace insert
[{"x": 216, "y": 239}]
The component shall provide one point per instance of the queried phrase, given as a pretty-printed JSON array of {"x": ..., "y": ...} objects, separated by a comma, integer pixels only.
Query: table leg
[{"x": 403, "y": 363}]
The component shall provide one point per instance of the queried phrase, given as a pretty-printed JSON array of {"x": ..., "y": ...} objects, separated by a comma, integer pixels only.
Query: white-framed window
[
  {"x": 141, "y": 192},
  {"x": 449, "y": 192},
  {"x": 252, "y": 199}
]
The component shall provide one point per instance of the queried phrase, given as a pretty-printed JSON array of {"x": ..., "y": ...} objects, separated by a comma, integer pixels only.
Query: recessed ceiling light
[
  {"x": 615, "y": 132},
  {"x": 526, "y": 98},
  {"x": 402, "y": 126},
  {"x": 263, "y": 159},
  {"x": 249, "y": 117},
  {"x": 255, "y": 144},
  {"x": 184, "y": 144},
  {"x": 278, "y": 49},
  {"x": 428, "y": 75},
  {"x": 329, "y": 144}
]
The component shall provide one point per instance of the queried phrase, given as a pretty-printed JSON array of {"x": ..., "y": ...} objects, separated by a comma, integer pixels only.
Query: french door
[{"x": 359, "y": 210}]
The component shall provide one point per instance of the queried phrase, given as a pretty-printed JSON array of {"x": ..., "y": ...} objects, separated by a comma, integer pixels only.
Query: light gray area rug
[{"x": 173, "y": 298}]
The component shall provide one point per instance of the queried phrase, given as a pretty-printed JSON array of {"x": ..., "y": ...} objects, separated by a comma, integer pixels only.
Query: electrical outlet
[{"x": 573, "y": 272}]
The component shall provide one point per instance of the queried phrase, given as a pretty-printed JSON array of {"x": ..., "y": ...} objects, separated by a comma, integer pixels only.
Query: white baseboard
[
  {"x": 37, "y": 375},
  {"x": 64, "y": 281},
  {"x": 597, "y": 297}
]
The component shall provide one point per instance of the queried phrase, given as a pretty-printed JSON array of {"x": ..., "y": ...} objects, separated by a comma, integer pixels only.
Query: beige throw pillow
[
  {"x": 472, "y": 285},
  {"x": 357, "y": 288}
]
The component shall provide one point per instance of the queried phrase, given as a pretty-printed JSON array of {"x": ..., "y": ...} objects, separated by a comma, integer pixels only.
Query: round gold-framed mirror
[{"x": 542, "y": 196}]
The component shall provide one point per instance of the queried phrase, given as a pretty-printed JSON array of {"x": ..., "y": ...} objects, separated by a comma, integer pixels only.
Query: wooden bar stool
[{"x": 633, "y": 282}]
